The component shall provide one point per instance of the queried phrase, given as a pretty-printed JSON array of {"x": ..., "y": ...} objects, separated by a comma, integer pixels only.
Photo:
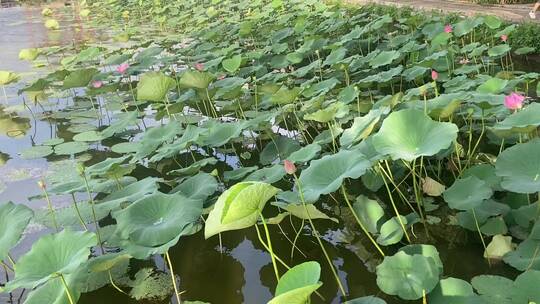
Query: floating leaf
[
  {"x": 467, "y": 193},
  {"x": 36, "y": 152},
  {"x": 297, "y": 284}
]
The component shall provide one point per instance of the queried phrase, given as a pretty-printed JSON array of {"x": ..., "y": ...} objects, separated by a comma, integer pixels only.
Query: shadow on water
[{"x": 242, "y": 273}]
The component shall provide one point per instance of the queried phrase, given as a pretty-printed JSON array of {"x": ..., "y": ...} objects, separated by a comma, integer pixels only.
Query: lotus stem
[
  {"x": 366, "y": 232},
  {"x": 5, "y": 94},
  {"x": 395, "y": 209},
  {"x": 81, "y": 220},
  {"x": 70, "y": 297},
  {"x": 290, "y": 241},
  {"x": 317, "y": 236},
  {"x": 114, "y": 284},
  {"x": 96, "y": 223},
  {"x": 41, "y": 184},
  {"x": 270, "y": 249},
  {"x": 173, "y": 278},
  {"x": 481, "y": 236},
  {"x": 297, "y": 234},
  {"x": 259, "y": 235}
]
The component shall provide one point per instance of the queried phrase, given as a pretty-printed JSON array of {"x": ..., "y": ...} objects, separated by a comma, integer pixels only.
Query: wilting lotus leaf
[
  {"x": 70, "y": 148},
  {"x": 297, "y": 284},
  {"x": 391, "y": 231},
  {"x": 384, "y": 58},
  {"x": 36, "y": 152},
  {"x": 13, "y": 220},
  {"x": 7, "y": 77},
  {"x": 195, "y": 80},
  {"x": 498, "y": 247},
  {"x": 325, "y": 175},
  {"x": 28, "y": 54},
  {"x": 361, "y": 128},
  {"x": 455, "y": 291},
  {"x": 366, "y": 300},
  {"x": 525, "y": 120},
  {"x": 51, "y": 255},
  {"x": 519, "y": 167},
  {"x": 369, "y": 212},
  {"x": 232, "y": 64},
  {"x": 305, "y": 154},
  {"x": 151, "y": 285},
  {"x": 409, "y": 134},
  {"x": 88, "y": 136},
  {"x": 157, "y": 220},
  {"x": 499, "y": 50},
  {"x": 431, "y": 187},
  {"x": 492, "y": 86},
  {"x": 300, "y": 211},
  {"x": 52, "y": 24},
  {"x": 407, "y": 276},
  {"x": 154, "y": 86},
  {"x": 198, "y": 187},
  {"x": 281, "y": 148},
  {"x": 79, "y": 78},
  {"x": 467, "y": 193},
  {"x": 238, "y": 207}
]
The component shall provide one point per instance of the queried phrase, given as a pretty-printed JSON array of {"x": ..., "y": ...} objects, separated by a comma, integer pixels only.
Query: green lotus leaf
[
  {"x": 154, "y": 86},
  {"x": 195, "y": 80},
  {"x": 7, "y": 77},
  {"x": 232, "y": 64},
  {"x": 268, "y": 175},
  {"x": 526, "y": 120},
  {"x": 326, "y": 175},
  {"x": 278, "y": 148},
  {"x": 36, "y": 152},
  {"x": 383, "y": 76},
  {"x": 384, "y": 58},
  {"x": 525, "y": 256},
  {"x": 361, "y": 127},
  {"x": 88, "y": 136},
  {"x": 194, "y": 167},
  {"x": 369, "y": 212},
  {"x": 499, "y": 50},
  {"x": 285, "y": 96},
  {"x": 198, "y": 187},
  {"x": 54, "y": 292},
  {"x": 13, "y": 220},
  {"x": 305, "y": 154},
  {"x": 151, "y": 285},
  {"x": 467, "y": 193},
  {"x": 238, "y": 173},
  {"x": 391, "y": 231},
  {"x": 497, "y": 289},
  {"x": 29, "y": 54},
  {"x": 71, "y": 148},
  {"x": 335, "y": 56},
  {"x": 79, "y": 78},
  {"x": 297, "y": 284},
  {"x": 307, "y": 212},
  {"x": 320, "y": 87},
  {"x": 525, "y": 50},
  {"x": 407, "y": 276},
  {"x": 157, "y": 219},
  {"x": 238, "y": 207},
  {"x": 426, "y": 251},
  {"x": 455, "y": 291},
  {"x": 52, "y": 141},
  {"x": 218, "y": 134},
  {"x": 409, "y": 134},
  {"x": 366, "y": 300},
  {"x": 493, "y": 86},
  {"x": 464, "y": 27},
  {"x": 519, "y": 167},
  {"x": 52, "y": 24},
  {"x": 52, "y": 255},
  {"x": 485, "y": 172},
  {"x": 493, "y": 22}
]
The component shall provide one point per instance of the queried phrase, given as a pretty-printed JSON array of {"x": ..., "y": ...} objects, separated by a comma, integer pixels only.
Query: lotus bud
[
  {"x": 504, "y": 38},
  {"x": 41, "y": 184},
  {"x": 448, "y": 29},
  {"x": 434, "y": 75},
  {"x": 80, "y": 168},
  {"x": 290, "y": 168}
]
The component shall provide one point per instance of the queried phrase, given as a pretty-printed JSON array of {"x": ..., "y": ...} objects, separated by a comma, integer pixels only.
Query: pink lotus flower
[
  {"x": 199, "y": 66},
  {"x": 514, "y": 101},
  {"x": 290, "y": 168},
  {"x": 504, "y": 38},
  {"x": 434, "y": 75},
  {"x": 122, "y": 68},
  {"x": 96, "y": 84},
  {"x": 221, "y": 77},
  {"x": 448, "y": 28}
]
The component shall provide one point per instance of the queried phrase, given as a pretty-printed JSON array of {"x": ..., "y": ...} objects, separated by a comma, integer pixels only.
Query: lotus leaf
[
  {"x": 154, "y": 86},
  {"x": 519, "y": 167},
  {"x": 297, "y": 284}
]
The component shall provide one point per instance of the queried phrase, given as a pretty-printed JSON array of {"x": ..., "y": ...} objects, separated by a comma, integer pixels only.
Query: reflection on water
[{"x": 12, "y": 125}]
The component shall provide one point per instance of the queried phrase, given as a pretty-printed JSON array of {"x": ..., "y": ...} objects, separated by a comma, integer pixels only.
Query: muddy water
[{"x": 239, "y": 271}]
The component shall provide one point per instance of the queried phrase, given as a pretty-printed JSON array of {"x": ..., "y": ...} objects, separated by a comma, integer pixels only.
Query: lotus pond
[{"x": 266, "y": 152}]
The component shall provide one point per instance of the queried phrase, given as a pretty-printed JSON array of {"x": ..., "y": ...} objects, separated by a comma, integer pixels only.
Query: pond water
[{"x": 240, "y": 271}]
